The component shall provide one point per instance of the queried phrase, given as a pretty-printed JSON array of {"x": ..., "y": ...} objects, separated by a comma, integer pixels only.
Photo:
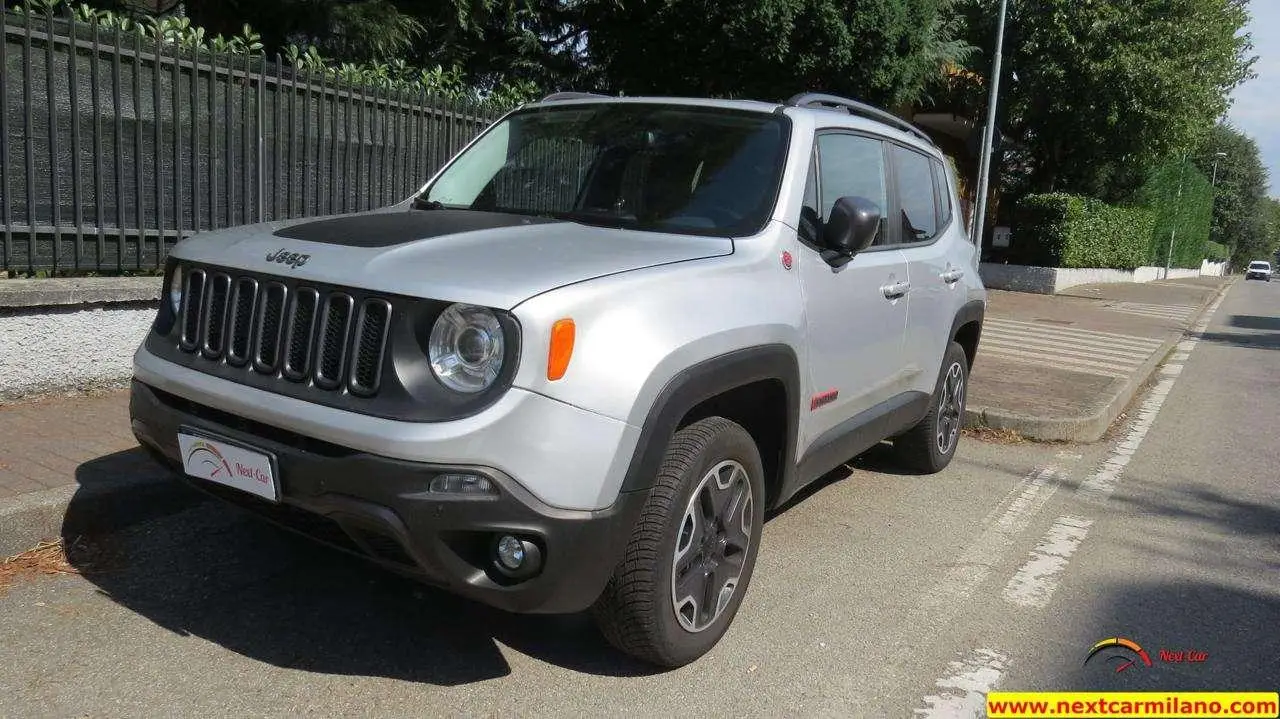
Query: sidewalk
[
  {"x": 43, "y": 444},
  {"x": 1049, "y": 367},
  {"x": 54, "y": 450},
  {"x": 1062, "y": 368}
]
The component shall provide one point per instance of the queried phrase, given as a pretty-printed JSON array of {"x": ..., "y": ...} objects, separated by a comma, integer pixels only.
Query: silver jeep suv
[{"x": 575, "y": 370}]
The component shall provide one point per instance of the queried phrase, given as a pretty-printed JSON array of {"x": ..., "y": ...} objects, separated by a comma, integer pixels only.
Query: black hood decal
[{"x": 384, "y": 229}]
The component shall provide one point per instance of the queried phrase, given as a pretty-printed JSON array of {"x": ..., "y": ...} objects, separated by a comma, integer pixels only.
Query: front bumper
[{"x": 380, "y": 508}]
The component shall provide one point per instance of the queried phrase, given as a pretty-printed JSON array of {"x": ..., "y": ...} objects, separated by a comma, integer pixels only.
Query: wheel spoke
[
  {"x": 737, "y": 528},
  {"x": 691, "y": 531},
  {"x": 688, "y": 582},
  {"x": 707, "y": 506},
  {"x": 726, "y": 577},
  {"x": 731, "y": 507},
  {"x": 723, "y": 489},
  {"x": 707, "y": 600},
  {"x": 732, "y": 560}
]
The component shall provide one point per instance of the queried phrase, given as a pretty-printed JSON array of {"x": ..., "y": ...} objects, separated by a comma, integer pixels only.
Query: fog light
[
  {"x": 515, "y": 557},
  {"x": 460, "y": 484},
  {"x": 510, "y": 552}
]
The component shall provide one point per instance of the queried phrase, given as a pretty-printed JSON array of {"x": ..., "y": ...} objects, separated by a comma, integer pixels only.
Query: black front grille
[
  {"x": 335, "y": 334},
  {"x": 323, "y": 338}
]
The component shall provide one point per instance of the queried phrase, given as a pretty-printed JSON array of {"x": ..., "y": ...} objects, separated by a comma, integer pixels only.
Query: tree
[
  {"x": 487, "y": 42},
  {"x": 1098, "y": 91},
  {"x": 1263, "y": 238},
  {"x": 1241, "y": 184},
  {"x": 881, "y": 51}
]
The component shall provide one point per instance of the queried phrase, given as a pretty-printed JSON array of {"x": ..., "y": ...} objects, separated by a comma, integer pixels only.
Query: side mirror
[{"x": 852, "y": 226}]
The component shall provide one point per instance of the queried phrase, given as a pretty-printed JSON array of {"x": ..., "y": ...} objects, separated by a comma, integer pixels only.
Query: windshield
[
  {"x": 1259, "y": 266},
  {"x": 667, "y": 168}
]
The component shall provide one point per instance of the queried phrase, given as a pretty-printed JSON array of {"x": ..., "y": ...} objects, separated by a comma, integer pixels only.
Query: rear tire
[
  {"x": 684, "y": 571},
  {"x": 929, "y": 446}
]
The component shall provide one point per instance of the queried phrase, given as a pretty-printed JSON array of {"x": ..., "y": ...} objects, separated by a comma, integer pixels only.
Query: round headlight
[
  {"x": 175, "y": 288},
  {"x": 466, "y": 348}
]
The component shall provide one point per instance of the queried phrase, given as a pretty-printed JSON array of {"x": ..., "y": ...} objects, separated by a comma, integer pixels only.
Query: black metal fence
[{"x": 114, "y": 145}]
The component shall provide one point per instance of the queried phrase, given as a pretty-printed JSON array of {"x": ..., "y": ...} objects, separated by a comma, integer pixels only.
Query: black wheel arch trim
[
  {"x": 972, "y": 311},
  {"x": 702, "y": 381}
]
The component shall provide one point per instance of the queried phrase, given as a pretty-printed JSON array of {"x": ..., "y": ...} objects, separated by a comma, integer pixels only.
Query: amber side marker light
[{"x": 562, "y": 334}]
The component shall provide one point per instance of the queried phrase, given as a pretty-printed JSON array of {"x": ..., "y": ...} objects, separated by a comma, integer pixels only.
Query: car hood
[{"x": 494, "y": 259}]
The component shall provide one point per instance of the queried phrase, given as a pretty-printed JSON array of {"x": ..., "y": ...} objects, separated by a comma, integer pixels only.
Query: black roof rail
[
  {"x": 853, "y": 107},
  {"x": 553, "y": 97}
]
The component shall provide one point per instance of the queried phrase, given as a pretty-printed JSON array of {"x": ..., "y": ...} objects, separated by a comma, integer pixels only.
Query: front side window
[
  {"x": 851, "y": 166},
  {"x": 639, "y": 166}
]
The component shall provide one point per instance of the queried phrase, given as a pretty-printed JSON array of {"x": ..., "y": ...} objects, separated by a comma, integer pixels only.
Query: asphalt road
[{"x": 878, "y": 594}]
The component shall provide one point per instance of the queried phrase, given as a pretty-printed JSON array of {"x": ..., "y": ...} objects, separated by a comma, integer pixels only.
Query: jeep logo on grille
[{"x": 292, "y": 259}]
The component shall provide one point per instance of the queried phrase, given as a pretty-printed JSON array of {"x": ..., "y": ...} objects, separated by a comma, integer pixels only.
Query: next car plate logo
[{"x": 228, "y": 465}]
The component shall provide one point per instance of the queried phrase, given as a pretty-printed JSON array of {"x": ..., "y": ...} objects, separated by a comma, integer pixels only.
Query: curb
[
  {"x": 31, "y": 518},
  {"x": 34, "y": 517},
  {"x": 18, "y": 294},
  {"x": 1093, "y": 427}
]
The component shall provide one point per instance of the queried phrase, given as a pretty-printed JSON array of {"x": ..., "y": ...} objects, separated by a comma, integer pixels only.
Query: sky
[{"x": 1256, "y": 111}]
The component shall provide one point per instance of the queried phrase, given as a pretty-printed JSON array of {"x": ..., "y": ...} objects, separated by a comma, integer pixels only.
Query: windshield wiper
[
  {"x": 589, "y": 217},
  {"x": 420, "y": 203}
]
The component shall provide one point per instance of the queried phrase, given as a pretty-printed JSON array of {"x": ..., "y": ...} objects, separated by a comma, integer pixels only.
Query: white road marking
[
  {"x": 1179, "y": 313},
  {"x": 963, "y": 691},
  {"x": 1058, "y": 360},
  {"x": 975, "y": 564},
  {"x": 1099, "y": 353},
  {"x": 1067, "y": 346},
  {"x": 1131, "y": 339},
  {"x": 1036, "y": 581},
  {"x": 1099, "y": 486},
  {"x": 1076, "y": 338},
  {"x": 967, "y": 683}
]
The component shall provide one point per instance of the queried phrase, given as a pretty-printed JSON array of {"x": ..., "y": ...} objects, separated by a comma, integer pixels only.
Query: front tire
[
  {"x": 930, "y": 445},
  {"x": 690, "y": 557}
]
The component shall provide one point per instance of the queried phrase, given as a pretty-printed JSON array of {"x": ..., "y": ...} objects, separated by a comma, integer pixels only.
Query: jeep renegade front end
[{"x": 574, "y": 371}]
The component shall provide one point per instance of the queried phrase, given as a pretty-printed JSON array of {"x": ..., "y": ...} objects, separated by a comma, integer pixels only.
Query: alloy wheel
[
  {"x": 715, "y": 534},
  {"x": 950, "y": 408}
]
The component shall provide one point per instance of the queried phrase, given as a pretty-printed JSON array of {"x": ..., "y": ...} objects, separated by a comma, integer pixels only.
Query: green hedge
[
  {"x": 1216, "y": 252},
  {"x": 1182, "y": 199},
  {"x": 1062, "y": 230}
]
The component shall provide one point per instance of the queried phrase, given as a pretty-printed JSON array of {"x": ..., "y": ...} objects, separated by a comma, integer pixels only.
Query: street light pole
[
  {"x": 1212, "y": 207},
  {"x": 1177, "y": 208},
  {"x": 988, "y": 133}
]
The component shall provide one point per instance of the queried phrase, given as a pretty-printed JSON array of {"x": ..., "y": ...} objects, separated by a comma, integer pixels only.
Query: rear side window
[
  {"x": 943, "y": 194},
  {"x": 914, "y": 180}
]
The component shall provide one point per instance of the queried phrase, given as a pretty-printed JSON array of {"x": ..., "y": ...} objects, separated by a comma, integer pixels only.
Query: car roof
[
  {"x": 839, "y": 111},
  {"x": 570, "y": 98}
]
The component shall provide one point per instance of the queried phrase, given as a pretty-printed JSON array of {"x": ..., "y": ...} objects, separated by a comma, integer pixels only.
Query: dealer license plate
[{"x": 228, "y": 463}]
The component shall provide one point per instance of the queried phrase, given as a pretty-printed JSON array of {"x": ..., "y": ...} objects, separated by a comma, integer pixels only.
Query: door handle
[
  {"x": 895, "y": 290},
  {"x": 951, "y": 276}
]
